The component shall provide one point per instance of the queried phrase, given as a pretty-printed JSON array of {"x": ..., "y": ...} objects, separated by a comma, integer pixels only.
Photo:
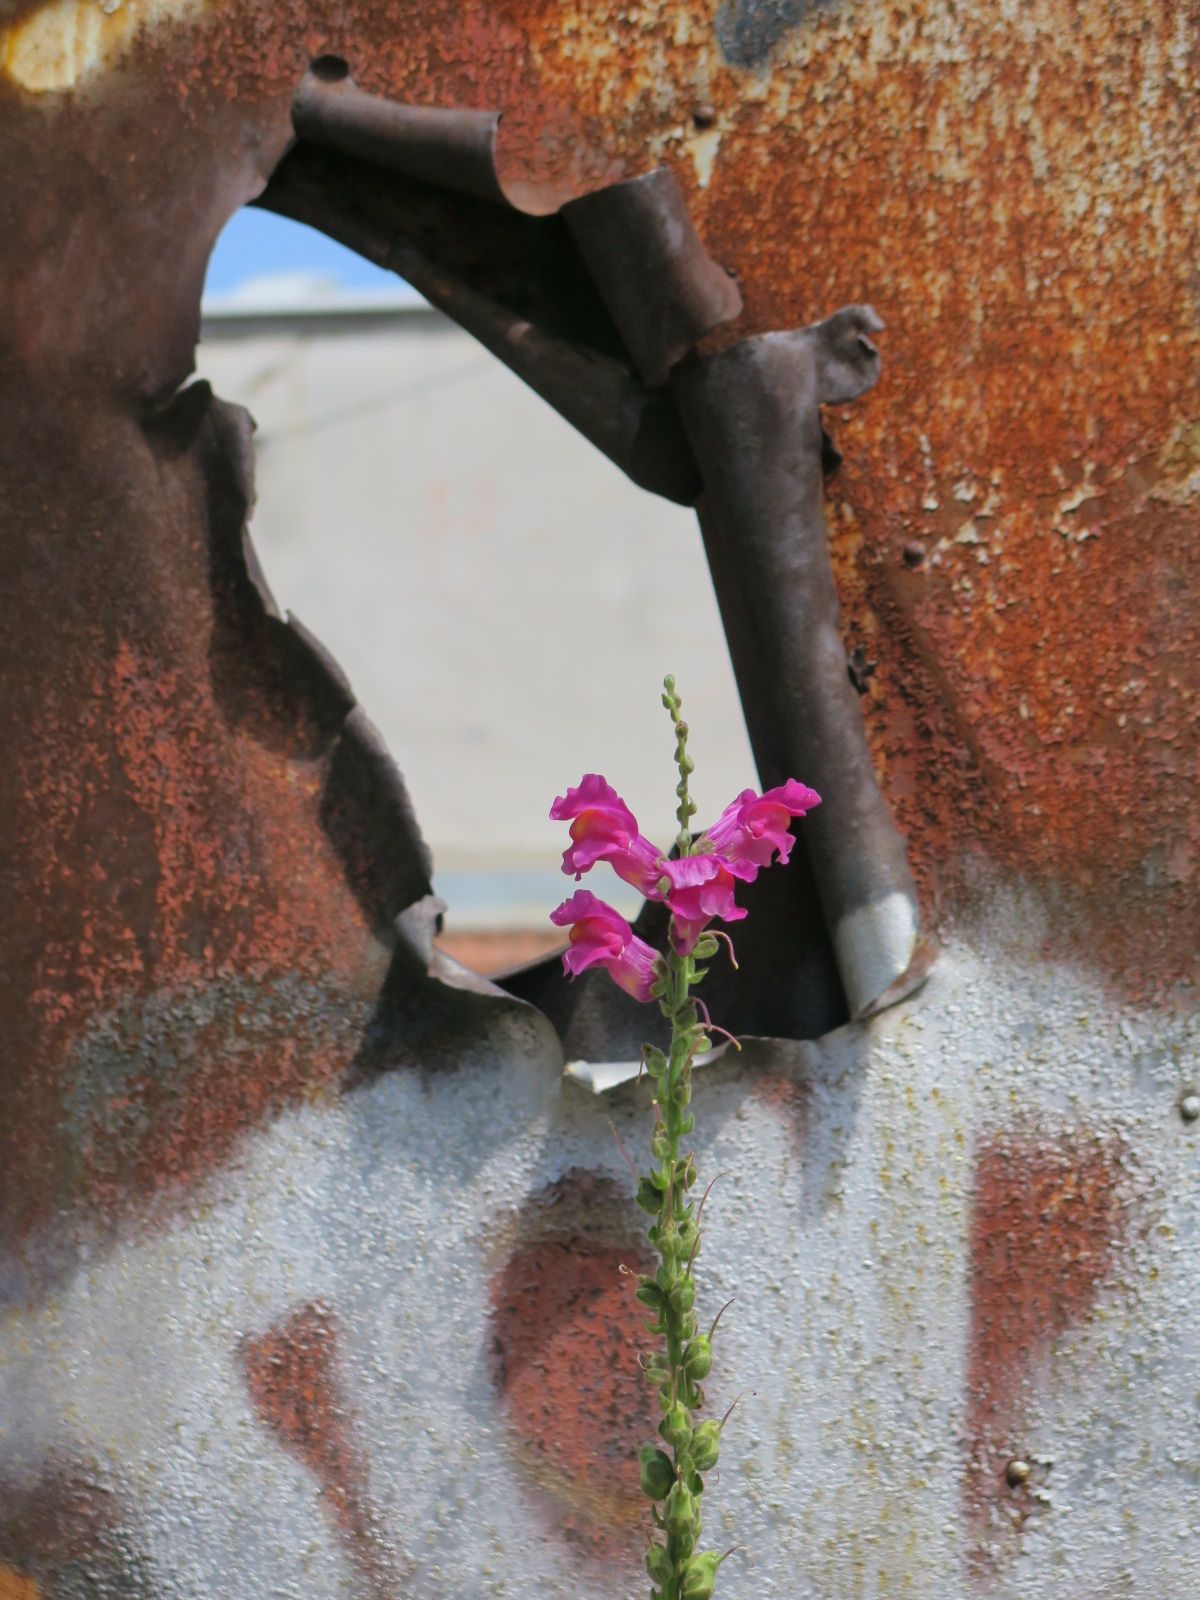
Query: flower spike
[{"x": 698, "y": 882}]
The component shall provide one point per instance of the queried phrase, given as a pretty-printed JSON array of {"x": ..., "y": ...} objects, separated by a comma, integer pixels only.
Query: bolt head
[
  {"x": 703, "y": 116},
  {"x": 913, "y": 553},
  {"x": 1017, "y": 1472},
  {"x": 1189, "y": 1106}
]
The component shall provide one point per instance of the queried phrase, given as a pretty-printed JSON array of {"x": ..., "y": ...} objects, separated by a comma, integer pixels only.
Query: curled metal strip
[
  {"x": 454, "y": 149},
  {"x": 753, "y": 415},
  {"x": 430, "y": 240},
  {"x": 661, "y": 286}
]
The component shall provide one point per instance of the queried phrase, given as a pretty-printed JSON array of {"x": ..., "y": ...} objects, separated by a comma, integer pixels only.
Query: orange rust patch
[
  {"x": 13, "y": 1586},
  {"x": 159, "y": 846},
  {"x": 293, "y": 1378},
  {"x": 1044, "y": 1222},
  {"x": 566, "y": 1333}
]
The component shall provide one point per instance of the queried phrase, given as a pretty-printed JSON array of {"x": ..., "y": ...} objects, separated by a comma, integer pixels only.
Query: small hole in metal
[{"x": 330, "y": 69}]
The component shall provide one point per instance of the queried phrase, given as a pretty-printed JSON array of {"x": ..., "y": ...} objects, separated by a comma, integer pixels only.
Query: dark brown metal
[
  {"x": 664, "y": 290},
  {"x": 753, "y": 414},
  {"x": 452, "y": 148},
  {"x": 546, "y": 324}
]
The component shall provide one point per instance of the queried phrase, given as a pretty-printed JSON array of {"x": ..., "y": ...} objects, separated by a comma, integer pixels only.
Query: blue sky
[{"x": 258, "y": 244}]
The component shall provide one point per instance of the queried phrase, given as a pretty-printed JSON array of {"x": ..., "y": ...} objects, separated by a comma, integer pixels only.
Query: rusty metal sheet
[{"x": 262, "y": 1336}]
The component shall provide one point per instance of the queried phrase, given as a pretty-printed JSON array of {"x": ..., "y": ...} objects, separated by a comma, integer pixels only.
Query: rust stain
[
  {"x": 1046, "y": 1218},
  {"x": 59, "y": 1522},
  {"x": 13, "y": 1586},
  {"x": 566, "y": 1333},
  {"x": 292, "y": 1373},
  {"x": 791, "y": 1099}
]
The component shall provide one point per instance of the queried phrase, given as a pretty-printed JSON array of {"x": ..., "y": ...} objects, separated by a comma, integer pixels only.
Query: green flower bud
[
  {"x": 697, "y": 1358},
  {"x": 683, "y": 1296},
  {"x": 705, "y": 947},
  {"x": 699, "y": 1576},
  {"x": 686, "y": 1125},
  {"x": 650, "y": 1294},
  {"x": 679, "y": 1513},
  {"x": 705, "y": 1442},
  {"x": 667, "y": 1277},
  {"x": 657, "y": 1473},
  {"x": 676, "y": 1426},
  {"x": 656, "y": 1063},
  {"x": 670, "y": 1242},
  {"x": 649, "y": 1196},
  {"x": 685, "y": 1172},
  {"x": 658, "y": 1564},
  {"x": 688, "y": 1238},
  {"x": 681, "y": 1094},
  {"x": 660, "y": 1145},
  {"x": 657, "y": 1369}
]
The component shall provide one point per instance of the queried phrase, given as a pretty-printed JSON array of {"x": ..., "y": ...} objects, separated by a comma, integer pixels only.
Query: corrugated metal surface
[{"x": 309, "y": 1261}]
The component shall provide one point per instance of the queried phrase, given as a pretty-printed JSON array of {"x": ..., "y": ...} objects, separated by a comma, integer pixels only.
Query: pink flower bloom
[
  {"x": 601, "y": 937},
  {"x": 604, "y": 829},
  {"x": 701, "y": 889},
  {"x": 749, "y": 832}
]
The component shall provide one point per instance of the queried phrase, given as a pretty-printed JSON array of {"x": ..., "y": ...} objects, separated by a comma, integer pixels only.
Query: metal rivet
[
  {"x": 704, "y": 116},
  {"x": 1017, "y": 1472},
  {"x": 1189, "y": 1106},
  {"x": 913, "y": 553}
]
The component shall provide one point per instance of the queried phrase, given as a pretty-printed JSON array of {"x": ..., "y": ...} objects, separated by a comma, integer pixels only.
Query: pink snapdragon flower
[
  {"x": 751, "y": 833},
  {"x": 604, "y": 829},
  {"x": 600, "y": 937},
  {"x": 701, "y": 888},
  {"x": 754, "y": 827}
]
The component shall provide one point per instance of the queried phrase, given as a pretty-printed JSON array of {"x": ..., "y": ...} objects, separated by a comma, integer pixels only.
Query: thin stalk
[{"x": 685, "y": 1358}]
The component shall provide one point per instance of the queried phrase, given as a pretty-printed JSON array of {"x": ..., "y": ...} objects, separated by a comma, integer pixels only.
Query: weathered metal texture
[{"x": 263, "y": 1334}]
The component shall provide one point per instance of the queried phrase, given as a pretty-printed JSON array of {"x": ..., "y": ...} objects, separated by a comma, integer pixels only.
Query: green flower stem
[{"x": 674, "y": 1482}]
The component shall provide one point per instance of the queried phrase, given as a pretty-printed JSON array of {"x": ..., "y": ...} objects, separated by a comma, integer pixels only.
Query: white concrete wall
[{"x": 504, "y": 602}]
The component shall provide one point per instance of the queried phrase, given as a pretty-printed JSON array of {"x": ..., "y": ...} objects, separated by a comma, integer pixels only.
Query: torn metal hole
[{"x": 601, "y": 305}]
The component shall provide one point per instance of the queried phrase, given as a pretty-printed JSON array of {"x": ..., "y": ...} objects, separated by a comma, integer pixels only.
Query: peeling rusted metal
[{"x": 959, "y": 1231}]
